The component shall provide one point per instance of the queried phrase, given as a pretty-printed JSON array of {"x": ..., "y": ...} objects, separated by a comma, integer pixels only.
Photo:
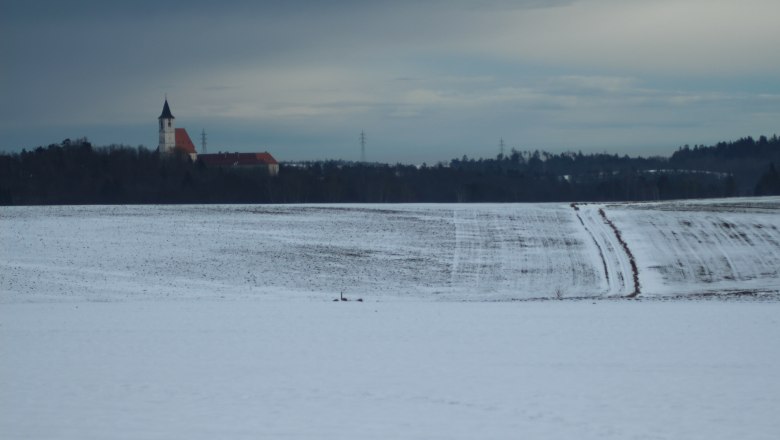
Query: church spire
[
  {"x": 167, "y": 130},
  {"x": 166, "y": 112}
]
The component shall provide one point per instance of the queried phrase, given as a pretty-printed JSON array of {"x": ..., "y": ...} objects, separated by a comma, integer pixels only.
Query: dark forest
[{"x": 76, "y": 172}]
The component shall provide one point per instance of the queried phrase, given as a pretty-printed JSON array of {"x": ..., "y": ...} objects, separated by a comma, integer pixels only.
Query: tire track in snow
[
  {"x": 704, "y": 247},
  {"x": 467, "y": 256},
  {"x": 528, "y": 253},
  {"x": 481, "y": 259},
  {"x": 576, "y": 275},
  {"x": 596, "y": 242},
  {"x": 631, "y": 259},
  {"x": 455, "y": 265},
  {"x": 616, "y": 258}
]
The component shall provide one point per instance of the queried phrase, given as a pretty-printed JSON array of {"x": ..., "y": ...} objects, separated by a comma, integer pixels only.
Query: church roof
[
  {"x": 183, "y": 141},
  {"x": 238, "y": 159},
  {"x": 166, "y": 113}
]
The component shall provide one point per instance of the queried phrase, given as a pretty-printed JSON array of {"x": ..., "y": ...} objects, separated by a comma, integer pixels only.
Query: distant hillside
[
  {"x": 462, "y": 252},
  {"x": 75, "y": 172}
]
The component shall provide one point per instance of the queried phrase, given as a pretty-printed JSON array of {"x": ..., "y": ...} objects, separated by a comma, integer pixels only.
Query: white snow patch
[{"x": 248, "y": 369}]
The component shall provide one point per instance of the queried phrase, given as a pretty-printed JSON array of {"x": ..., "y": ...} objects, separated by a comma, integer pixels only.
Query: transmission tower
[
  {"x": 203, "y": 141},
  {"x": 362, "y": 146},
  {"x": 501, "y": 146}
]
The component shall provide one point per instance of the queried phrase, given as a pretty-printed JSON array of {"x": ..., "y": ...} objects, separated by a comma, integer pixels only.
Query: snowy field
[
  {"x": 250, "y": 369},
  {"x": 203, "y": 322},
  {"x": 455, "y": 252}
]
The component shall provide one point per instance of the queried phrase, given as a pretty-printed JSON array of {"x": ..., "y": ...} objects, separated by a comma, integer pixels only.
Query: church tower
[{"x": 167, "y": 130}]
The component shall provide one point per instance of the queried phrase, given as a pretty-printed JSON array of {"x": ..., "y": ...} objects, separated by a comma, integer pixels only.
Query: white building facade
[{"x": 167, "y": 131}]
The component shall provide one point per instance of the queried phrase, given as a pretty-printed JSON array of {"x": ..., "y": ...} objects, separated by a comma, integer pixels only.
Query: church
[
  {"x": 177, "y": 139},
  {"x": 172, "y": 138}
]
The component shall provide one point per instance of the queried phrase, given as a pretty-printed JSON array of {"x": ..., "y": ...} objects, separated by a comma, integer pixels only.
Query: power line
[{"x": 362, "y": 146}]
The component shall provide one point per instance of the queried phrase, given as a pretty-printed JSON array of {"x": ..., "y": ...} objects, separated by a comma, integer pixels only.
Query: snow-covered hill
[{"x": 463, "y": 252}]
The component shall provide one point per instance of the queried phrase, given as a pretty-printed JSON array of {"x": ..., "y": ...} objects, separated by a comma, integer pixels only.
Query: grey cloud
[{"x": 432, "y": 72}]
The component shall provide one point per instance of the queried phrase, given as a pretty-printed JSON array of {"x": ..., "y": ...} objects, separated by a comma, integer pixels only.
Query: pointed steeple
[
  {"x": 166, "y": 113},
  {"x": 167, "y": 130}
]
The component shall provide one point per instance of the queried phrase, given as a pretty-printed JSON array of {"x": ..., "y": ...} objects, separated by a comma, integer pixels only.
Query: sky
[{"x": 426, "y": 81}]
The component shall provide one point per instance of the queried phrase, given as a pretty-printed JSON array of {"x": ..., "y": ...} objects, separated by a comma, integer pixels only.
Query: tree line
[{"x": 76, "y": 172}]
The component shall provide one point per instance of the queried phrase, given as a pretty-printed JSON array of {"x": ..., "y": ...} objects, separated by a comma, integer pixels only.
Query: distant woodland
[{"x": 76, "y": 172}]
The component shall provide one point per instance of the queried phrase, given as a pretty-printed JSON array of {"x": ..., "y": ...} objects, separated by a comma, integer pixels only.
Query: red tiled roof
[
  {"x": 183, "y": 141},
  {"x": 238, "y": 159}
]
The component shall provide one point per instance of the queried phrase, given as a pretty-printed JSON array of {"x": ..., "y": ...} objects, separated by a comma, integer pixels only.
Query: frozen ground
[
  {"x": 204, "y": 322},
  {"x": 461, "y": 252},
  {"x": 310, "y": 369}
]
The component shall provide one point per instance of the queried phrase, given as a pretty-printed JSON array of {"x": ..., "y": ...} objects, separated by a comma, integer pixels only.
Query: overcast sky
[{"x": 426, "y": 80}]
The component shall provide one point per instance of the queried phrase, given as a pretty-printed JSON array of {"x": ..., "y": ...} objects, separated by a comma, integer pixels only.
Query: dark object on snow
[{"x": 344, "y": 298}]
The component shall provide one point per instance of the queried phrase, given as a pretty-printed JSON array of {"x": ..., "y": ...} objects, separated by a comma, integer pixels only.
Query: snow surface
[
  {"x": 250, "y": 368},
  {"x": 463, "y": 252},
  {"x": 704, "y": 246},
  {"x": 162, "y": 322}
]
